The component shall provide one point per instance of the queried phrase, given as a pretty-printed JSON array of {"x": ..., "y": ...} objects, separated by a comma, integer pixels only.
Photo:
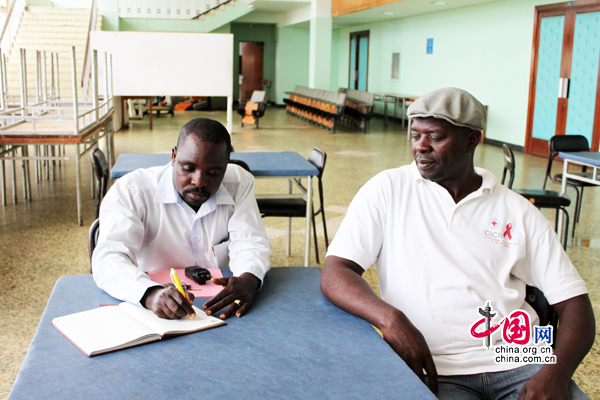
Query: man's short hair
[
  {"x": 207, "y": 130},
  {"x": 454, "y": 105}
]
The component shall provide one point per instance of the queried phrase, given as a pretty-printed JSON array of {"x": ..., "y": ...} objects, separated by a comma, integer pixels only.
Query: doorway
[
  {"x": 563, "y": 94},
  {"x": 359, "y": 60},
  {"x": 251, "y": 68}
]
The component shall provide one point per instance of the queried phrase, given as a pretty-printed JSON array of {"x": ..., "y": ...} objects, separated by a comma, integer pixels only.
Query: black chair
[
  {"x": 539, "y": 198},
  {"x": 297, "y": 207},
  {"x": 93, "y": 239},
  {"x": 568, "y": 143},
  {"x": 546, "y": 313},
  {"x": 100, "y": 168}
]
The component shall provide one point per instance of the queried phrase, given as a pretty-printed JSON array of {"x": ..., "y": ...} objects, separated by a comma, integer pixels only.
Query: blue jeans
[{"x": 504, "y": 385}]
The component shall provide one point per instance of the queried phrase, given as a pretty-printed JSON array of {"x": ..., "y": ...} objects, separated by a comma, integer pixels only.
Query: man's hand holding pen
[{"x": 168, "y": 302}]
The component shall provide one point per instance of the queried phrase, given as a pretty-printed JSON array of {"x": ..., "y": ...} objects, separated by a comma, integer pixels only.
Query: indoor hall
[
  {"x": 41, "y": 240},
  {"x": 399, "y": 48}
]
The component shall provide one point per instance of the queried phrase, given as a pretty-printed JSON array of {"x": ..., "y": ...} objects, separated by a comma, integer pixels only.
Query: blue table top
[
  {"x": 591, "y": 158},
  {"x": 264, "y": 163},
  {"x": 293, "y": 344}
]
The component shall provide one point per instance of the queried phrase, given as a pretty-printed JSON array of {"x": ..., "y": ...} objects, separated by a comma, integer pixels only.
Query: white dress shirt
[{"x": 145, "y": 225}]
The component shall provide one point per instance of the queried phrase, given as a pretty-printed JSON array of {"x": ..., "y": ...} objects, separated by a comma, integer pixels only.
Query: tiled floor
[{"x": 40, "y": 240}]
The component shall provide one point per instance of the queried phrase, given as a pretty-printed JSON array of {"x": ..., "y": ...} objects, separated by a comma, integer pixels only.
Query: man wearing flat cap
[{"x": 454, "y": 251}]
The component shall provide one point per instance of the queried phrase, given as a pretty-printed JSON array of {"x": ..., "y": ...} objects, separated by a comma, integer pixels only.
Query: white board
[{"x": 170, "y": 64}]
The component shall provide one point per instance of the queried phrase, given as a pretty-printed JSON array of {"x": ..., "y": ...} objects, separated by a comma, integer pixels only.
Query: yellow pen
[{"x": 177, "y": 283}]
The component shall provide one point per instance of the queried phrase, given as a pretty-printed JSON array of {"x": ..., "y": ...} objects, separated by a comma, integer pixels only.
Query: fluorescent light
[
  {"x": 440, "y": 3},
  {"x": 389, "y": 13}
]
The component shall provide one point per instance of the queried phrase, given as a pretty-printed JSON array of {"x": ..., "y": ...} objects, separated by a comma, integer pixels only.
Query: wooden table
[
  {"x": 395, "y": 98},
  {"x": 58, "y": 133}
]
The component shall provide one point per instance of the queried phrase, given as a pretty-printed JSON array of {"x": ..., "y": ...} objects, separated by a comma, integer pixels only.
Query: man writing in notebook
[
  {"x": 197, "y": 210},
  {"x": 448, "y": 240}
]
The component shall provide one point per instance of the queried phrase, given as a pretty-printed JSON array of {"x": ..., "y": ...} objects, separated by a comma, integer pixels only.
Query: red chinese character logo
[{"x": 516, "y": 328}]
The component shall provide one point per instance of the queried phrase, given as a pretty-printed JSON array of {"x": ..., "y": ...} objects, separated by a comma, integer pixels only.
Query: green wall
[
  {"x": 255, "y": 33},
  {"x": 292, "y": 60},
  {"x": 484, "y": 49}
]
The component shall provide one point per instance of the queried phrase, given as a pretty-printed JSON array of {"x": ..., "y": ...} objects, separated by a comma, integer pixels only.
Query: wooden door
[
  {"x": 359, "y": 60},
  {"x": 564, "y": 98},
  {"x": 251, "y": 68}
]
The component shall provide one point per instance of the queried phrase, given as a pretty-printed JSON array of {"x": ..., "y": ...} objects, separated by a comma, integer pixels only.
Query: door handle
[{"x": 563, "y": 88}]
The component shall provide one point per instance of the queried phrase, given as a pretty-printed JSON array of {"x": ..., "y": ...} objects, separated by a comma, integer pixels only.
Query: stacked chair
[
  {"x": 359, "y": 108},
  {"x": 320, "y": 107}
]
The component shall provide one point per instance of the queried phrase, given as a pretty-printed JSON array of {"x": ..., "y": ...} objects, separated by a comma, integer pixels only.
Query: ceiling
[
  {"x": 403, "y": 8},
  {"x": 268, "y": 11}
]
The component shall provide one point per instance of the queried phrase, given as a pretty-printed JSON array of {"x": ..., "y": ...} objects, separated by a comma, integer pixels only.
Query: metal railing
[
  {"x": 168, "y": 9},
  {"x": 48, "y": 107},
  {"x": 203, "y": 14},
  {"x": 11, "y": 25},
  {"x": 85, "y": 76}
]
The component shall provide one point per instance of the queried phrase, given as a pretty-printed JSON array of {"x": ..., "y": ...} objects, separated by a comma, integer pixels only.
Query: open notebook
[{"x": 113, "y": 328}]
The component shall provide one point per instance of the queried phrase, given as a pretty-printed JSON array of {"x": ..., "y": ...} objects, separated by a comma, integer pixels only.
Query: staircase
[{"x": 53, "y": 30}]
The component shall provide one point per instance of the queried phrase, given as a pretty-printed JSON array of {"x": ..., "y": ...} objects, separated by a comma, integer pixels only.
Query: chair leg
[
  {"x": 578, "y": 203},
  {"x": 575, "y": 218},
  {"x": 315, "y": 236},
  {"x": 288, "y": 243},
  {"x": 565, "y": 234},
  {"x": 324, "y": 227}
]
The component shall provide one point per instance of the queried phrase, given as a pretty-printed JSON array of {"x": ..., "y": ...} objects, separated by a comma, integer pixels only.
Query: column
[{"x": 319, "y": 64}]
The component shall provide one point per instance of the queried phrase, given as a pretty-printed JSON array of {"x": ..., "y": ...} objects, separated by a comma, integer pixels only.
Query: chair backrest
[
  {"x": 241, "y": 164},
  {"x": 568, "y": 143},
  {"x": 318, "y": 158},
  {"x": 93, "y": 239},
  {"x": 258, "y": 96},
  {"x": 100, "y": 168},
  {"x": 509, "y": 165},
  {"x": 559, "y": 143}
]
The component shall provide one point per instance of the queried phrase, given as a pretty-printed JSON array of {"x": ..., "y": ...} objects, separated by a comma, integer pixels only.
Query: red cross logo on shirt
[{"x": 493, "y": 223}]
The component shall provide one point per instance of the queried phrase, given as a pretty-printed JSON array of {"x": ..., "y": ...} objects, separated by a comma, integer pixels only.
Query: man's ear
[
  {"x": 173, "y": 155},
  {"x": 473, "y": 140}
]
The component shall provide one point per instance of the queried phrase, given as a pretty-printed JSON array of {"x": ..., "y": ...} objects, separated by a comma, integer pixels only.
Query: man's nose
[
  {"x": 422, "y": 145},
  {"x": 198, "y": 179}
]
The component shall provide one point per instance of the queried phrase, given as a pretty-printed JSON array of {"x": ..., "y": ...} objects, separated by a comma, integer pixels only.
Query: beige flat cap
[{"x": 456, "y": 106}]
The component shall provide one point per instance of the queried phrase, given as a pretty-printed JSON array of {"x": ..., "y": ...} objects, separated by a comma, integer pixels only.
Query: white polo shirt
[
  {"x": 145, "y": 225},
  {"x": 439, "y": 261}
]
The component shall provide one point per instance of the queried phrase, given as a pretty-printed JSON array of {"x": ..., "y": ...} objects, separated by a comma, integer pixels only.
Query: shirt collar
[
  {"x": 488, "y": 180},
  {"x": 167, "y": 193}
]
